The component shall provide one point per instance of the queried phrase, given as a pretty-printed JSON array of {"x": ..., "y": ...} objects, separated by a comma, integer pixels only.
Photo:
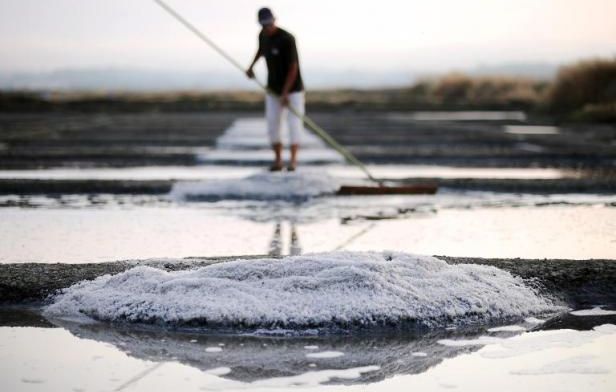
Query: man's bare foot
[
  {"x": 276, "y": 166},
  {"x": 293, "y": 160}
]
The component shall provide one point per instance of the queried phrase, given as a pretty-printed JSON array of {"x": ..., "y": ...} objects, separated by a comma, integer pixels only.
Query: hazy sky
[{"x": 430, "y": 36}]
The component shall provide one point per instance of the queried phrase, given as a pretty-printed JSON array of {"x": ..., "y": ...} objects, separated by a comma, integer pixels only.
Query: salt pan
[
  {"x": 596, "y": 311},
  {"x": 302, "y": 184}
]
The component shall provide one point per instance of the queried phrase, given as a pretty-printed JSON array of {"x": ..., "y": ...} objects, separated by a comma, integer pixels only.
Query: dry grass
[
  {"x": 502, "y": 92},
  {"x": 586, "y": 89}
]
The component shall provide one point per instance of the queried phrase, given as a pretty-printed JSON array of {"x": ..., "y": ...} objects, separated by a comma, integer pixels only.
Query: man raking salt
[
  {"x": 285, "y": 94},
  {"x": 284, "y": 84}
]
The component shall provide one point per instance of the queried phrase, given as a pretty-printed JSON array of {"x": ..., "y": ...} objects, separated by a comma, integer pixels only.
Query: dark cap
[{"x": 265, "y": 16}]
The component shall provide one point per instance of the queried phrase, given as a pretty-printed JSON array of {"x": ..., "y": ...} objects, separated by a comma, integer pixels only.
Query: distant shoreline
[{"x": 388, "y": 99}]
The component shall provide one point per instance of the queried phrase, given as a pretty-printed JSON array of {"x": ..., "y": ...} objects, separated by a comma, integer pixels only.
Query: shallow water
[
  {"x": 460, "y": 116},
  {"x": 531, "y": 130},
  {"x": 95, "y": 233},
  {"x": 99, "y": 227},
  {"x": 209, "y": 172},
  {"x": 100, "y": 357}
]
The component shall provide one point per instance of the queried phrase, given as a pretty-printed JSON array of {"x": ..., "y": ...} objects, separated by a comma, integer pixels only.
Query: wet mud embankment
[{"x": 160, "y": 187}]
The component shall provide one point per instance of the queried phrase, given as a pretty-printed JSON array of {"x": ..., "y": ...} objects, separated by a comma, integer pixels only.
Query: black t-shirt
[{"x": 280, "y": 52}]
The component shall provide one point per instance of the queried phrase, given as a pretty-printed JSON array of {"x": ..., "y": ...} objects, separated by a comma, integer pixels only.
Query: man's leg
[
  {"x": 296, "y": 125},
  {"x": 293, "y": 162},
  {"x": 273, "y": 113},
  {"x": 277, "y": 165}
]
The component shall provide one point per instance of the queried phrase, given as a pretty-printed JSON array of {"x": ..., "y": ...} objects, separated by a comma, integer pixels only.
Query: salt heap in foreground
[
  {"x": 261, "y": 186},
  {"x": 328, "y": 290}
]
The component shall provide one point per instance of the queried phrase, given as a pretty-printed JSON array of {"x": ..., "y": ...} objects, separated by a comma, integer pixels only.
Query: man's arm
[
  {"x": 249, "y": 72},
  {"x": 289, "y": 81},
  {"x": 293, "y": 72}
]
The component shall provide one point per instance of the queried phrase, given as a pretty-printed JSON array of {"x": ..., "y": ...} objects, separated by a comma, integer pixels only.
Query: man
[{"x": 284, "y": 82}]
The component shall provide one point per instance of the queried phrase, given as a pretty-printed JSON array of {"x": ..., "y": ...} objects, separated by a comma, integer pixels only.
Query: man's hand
[
  {"x": 284, "y": 99},
  {"x": 250, "y": 73}
]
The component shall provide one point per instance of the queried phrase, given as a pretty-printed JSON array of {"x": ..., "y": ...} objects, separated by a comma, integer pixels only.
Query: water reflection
[
  {"x": 276, "y": 244},
  {"x": 83, "y": 357},
  {"x": 253, "y": 358}
]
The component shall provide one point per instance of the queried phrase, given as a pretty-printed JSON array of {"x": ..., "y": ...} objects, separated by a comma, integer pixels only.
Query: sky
[{"x": 337, "y": 35}]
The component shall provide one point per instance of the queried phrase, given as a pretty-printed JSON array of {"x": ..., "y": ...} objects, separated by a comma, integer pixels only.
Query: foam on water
[
  {"x": 339, "y": 289},
  {"x": 508, "y": 328},
  {"x": 596, "y": 311},
  {"x": 261, "y": 186},
  {"x": 546, "y": 340}
]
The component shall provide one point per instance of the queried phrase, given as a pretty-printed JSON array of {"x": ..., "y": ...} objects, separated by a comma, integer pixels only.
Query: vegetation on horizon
[{"x": 583, "y": 91}]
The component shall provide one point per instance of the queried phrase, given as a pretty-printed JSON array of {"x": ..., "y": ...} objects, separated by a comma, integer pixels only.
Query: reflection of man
[
  {"x": 295, "y": 249},
  {"x": 275, "y": 247},
  {"x": 284, "y": 82}
]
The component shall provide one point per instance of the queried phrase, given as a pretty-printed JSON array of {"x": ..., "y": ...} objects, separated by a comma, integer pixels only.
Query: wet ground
[{"x": 95, "y": 188}]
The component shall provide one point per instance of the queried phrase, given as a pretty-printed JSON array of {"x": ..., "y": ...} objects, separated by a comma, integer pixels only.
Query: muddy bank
[
  {"x": 577, "y": 282},
  {"x": 57, "y": 187},
  {"x": 538, "y": 186}
]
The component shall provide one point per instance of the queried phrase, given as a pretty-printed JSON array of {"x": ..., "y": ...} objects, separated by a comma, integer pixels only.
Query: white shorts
[{"x": 274, "y": 112}]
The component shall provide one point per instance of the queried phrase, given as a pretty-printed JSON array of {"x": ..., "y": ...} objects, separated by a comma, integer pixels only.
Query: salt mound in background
[
  {"x": 340, "y": 289},
  {"x": 261, "y": 186}
]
